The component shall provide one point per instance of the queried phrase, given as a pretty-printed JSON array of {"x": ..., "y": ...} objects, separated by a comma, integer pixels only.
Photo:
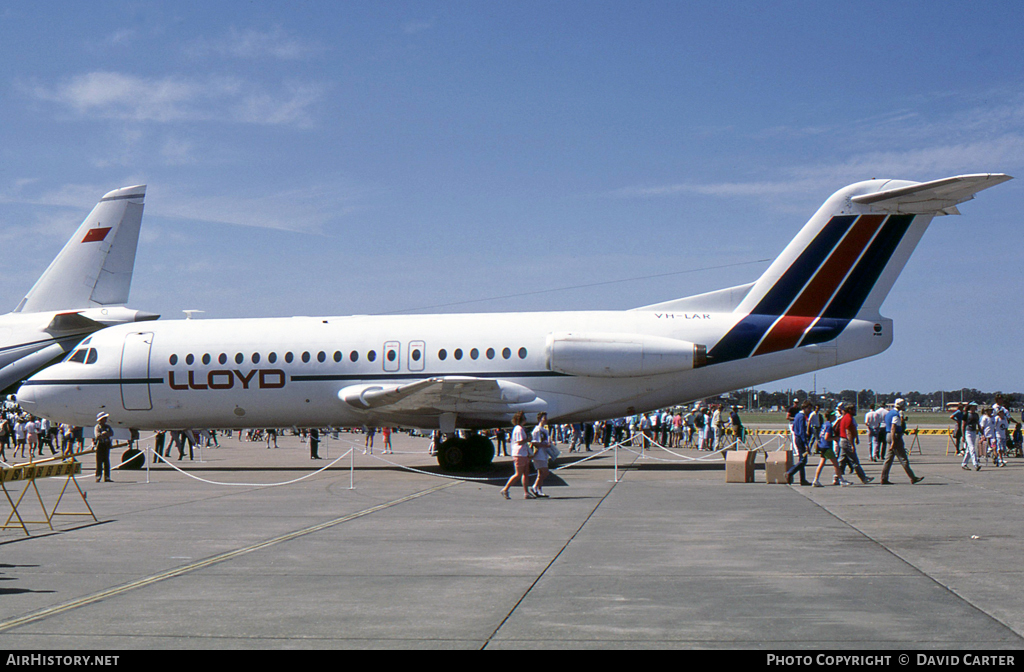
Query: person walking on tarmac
[
  {"x": 800, "y": 444},
  {"x": 102, "y": 441},
  {"x": 520, "y": 457},
  {"x": 896, "y": 425},
  {"x": 541, "y": 441},
  {"x": 826, "y": 443}
]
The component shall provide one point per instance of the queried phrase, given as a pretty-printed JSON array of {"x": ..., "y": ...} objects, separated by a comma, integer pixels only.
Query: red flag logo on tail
[{"x": 96, "y": 235}]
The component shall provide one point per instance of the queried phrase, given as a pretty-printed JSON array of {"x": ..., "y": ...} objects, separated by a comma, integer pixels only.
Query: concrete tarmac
[{"x": 670, "y": 556}]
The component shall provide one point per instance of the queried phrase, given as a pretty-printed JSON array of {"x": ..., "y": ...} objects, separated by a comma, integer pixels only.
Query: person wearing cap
[
  {"x": 971, "y": 425},
  {"x": 102, "y": 441},
  {"x": 896, "y": 425}
]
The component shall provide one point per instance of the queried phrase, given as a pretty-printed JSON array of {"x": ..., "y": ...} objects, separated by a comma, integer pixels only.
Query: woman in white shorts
[
  {"x": 520, "y": 457},
  {"x": 541, "y": 441}
]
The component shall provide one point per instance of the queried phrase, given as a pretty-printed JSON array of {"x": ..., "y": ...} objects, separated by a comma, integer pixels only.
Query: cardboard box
[
  {"x": 739, "y": 466},
  {"x": 776, "y": 464}
]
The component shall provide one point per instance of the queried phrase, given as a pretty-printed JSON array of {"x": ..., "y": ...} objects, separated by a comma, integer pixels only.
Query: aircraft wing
[
  {"x": 445, "y": 394},
  {"x": 936, "y": 197}
]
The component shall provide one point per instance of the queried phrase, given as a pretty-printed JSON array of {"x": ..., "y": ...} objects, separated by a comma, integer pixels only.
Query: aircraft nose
[{"x": 26, "y": 398}]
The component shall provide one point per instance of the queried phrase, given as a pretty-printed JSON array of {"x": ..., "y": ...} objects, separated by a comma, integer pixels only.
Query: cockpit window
[{"x": 83, "y": 356}]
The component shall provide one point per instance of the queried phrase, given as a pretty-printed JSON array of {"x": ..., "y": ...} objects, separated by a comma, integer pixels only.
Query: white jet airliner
[
  {"x": 82, "y": 291},
  {"x": 816, "y": 306}
]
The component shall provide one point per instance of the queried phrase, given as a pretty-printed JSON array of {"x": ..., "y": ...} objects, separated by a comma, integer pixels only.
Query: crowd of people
[
  {"x": 28, "y": 437},
  {"x": 831, "y": 434},
  {"x": 834, "y": 436},
  {"x": 985, "y": 434},
  {"x": 705, "y": 427}
]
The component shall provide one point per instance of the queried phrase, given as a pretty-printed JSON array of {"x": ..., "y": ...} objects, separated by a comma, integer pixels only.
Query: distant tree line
[{"x": 863, "y": 398}]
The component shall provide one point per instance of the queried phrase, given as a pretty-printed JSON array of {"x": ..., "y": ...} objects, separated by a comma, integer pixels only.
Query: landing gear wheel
[
  {"x": 481, "y": 451},
  {"x": 452, "y": 454},
  {"x": 473, "y": 453}
]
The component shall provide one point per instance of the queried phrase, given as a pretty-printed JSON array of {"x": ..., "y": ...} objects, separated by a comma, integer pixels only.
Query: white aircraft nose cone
[{"x": 26, "y": 397}]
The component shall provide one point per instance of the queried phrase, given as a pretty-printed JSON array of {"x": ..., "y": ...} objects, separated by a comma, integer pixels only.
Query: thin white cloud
[
  {"x": 115, "y": 95},
  {"x": 254, "y": 44},
  {"x": 900, "y": 145},
  {"x": 309, "y": 209},
  {"x": 413, "y": 27}
]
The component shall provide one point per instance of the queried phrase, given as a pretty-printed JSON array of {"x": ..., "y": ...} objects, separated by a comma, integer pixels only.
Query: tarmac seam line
[
  {"x": 915, "y": 568},
  {"x": 213, "y": 560},
  {"x": 554, "y": 559}
]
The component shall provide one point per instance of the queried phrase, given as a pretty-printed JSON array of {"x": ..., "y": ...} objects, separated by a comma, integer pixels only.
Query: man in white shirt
[{"x": 873, "y": 420}]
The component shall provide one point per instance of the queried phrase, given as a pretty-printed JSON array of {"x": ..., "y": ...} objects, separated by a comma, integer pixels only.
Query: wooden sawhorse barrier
[{"x": 28, "y": 473}]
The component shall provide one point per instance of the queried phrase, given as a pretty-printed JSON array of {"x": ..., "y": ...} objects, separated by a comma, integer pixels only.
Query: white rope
[
  {"x": 685, "y": 457},
  {"x": 489, "y": 478},
  {"x": 250, "y": 485}
]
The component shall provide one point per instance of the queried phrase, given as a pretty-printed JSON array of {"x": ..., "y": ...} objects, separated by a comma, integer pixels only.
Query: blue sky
[{"x": 334, "y": 158}]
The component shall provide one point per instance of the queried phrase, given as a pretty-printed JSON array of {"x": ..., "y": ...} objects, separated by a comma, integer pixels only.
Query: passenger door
[{"x": 135, "y": 394}]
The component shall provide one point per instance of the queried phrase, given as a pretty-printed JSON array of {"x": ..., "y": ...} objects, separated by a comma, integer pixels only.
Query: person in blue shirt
[
  {"x": 800, "y": 442},
  {"x": 826, "y": 448}
]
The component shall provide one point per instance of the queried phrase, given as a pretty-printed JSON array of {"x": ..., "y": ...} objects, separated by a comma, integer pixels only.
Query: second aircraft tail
[{"x": 95, "y": 267}]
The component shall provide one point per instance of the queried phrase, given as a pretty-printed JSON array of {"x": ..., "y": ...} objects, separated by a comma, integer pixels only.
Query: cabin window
[
  {"x": 288, "y": 357},
  {"x": 353, "y": 356},
  {"x": 321, "y": 356},
  {"x": 337, "y": 355},
  {"x": 222, "y": 358},
  {"x": 189, "y": 359},
  {"x": 272, "y": 357},
  {"x": 490, "y": 353},
  {"x": 371, "y": 355},
  {"x": 442, "y": 354},
  {"x": 206, "y": 358},
  {"x": 239, "y": 358},
  {"x": 173, "y": 359},
  {"x": 506, "y": 353},
  {"x": 305, "y": 358},
  {"x": 255, "y": 358},
  {"x": 458, "y": 353},
  {"x": 522, "y": 353}
]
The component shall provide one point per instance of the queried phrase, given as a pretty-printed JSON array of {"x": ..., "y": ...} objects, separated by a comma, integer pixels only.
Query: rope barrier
[
  {"x": 627, "y": 444},
  {"x": 248, "y": 485}
]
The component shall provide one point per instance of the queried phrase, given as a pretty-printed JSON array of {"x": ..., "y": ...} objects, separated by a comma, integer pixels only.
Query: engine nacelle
[{"x": 608, "y": 355}]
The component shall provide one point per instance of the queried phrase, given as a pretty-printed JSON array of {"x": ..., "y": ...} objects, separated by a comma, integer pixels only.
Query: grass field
[{"x": 914, "y": 419}]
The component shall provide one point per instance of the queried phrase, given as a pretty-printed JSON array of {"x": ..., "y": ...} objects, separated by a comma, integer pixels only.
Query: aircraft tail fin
[
  {"x": 95, "y": 267},
  {"x": 842, "y": 264}
]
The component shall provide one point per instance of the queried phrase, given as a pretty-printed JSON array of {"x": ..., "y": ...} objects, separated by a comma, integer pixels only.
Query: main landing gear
[{"x": 473, "y": 453}]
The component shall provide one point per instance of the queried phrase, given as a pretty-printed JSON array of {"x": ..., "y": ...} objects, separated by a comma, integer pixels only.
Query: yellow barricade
[{"x": 29, "y": 473}]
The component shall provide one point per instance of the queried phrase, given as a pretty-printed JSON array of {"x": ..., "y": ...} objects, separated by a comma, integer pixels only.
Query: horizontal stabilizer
[{"x": 938, "y": 197}]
